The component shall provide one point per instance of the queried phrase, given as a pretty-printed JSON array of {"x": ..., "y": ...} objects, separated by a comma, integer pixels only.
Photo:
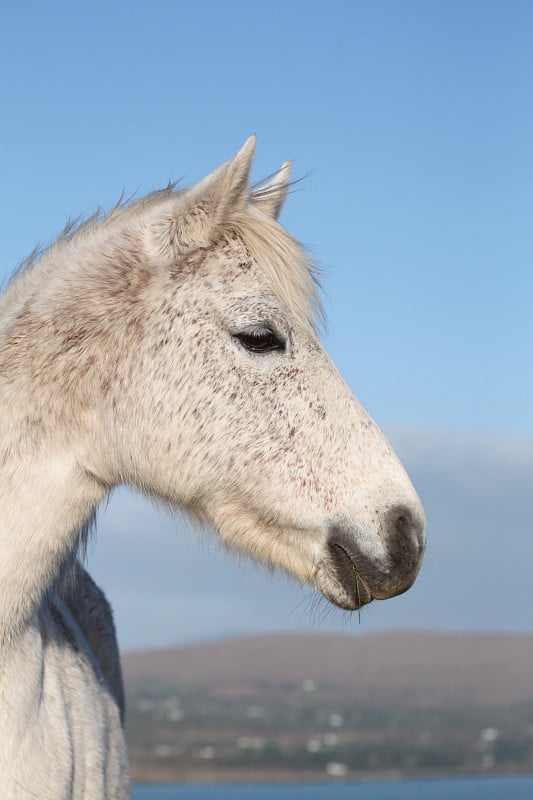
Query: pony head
[{"x": 187, "y": 324}]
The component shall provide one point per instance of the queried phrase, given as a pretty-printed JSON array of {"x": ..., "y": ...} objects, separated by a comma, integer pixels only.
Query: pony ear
[
  {"x": 188, "y": 220},
  {"x": 270, "y": 197}
]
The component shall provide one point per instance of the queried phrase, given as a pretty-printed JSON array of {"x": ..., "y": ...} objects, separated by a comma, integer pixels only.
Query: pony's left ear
[
  {"x": 188, "y": 220},
  {"x": 270, "y": 197},
  {"x": 227, "y": 187}
]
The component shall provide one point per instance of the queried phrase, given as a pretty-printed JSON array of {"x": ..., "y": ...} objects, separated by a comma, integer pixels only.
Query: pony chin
[
  {"x": 349, "y": 595},
  {"x": 294, "y": 550}
]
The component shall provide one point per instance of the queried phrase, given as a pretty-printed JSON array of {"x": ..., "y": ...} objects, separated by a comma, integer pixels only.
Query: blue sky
[{"x": 412, "y": 123}]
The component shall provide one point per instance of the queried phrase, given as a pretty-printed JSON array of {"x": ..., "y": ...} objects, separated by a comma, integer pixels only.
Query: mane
[
  {"x": 291, "y": 273},
  {"x": 32, "y": 271}
]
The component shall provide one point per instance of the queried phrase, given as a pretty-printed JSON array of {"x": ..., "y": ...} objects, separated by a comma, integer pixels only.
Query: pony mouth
[{"x": 340, "y": 581}]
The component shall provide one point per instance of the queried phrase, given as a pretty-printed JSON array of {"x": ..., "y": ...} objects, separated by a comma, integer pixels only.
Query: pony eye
[{"x": 264, "y": 341}]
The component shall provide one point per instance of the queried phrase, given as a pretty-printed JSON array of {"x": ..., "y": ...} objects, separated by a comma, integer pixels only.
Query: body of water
[{"x": 490, "y": 788}]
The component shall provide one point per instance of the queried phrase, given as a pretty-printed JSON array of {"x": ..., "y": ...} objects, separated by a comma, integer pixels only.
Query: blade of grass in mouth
[{"x": 357, "y": 594}]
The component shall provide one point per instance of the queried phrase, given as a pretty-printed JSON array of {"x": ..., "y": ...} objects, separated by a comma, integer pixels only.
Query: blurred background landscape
[
  {"x": 314, "y": 707},
  {"x": 411, "y": 125}
]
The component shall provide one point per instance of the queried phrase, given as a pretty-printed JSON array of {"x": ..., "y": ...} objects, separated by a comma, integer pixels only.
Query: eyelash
[{"x": 261, "y": 341}]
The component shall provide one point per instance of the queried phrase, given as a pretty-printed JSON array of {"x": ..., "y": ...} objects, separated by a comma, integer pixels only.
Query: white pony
[{"x": 170, "y": 346}]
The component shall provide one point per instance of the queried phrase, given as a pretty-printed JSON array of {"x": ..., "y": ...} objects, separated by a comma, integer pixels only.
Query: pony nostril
[
  {"x": 402, "y": 524},
  {"x": 406, "y": 534}
]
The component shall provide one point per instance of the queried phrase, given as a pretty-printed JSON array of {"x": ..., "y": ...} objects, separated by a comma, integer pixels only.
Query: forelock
[{"x": 292, "y": 275}]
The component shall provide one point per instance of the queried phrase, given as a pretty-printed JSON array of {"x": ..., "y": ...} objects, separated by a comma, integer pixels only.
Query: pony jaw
[{"x": 280, "y": 545}]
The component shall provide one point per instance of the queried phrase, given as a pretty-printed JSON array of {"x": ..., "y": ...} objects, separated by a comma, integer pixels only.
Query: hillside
[
  {"x": 313, "y": 706},
  {"x": 494, "y": 669}
]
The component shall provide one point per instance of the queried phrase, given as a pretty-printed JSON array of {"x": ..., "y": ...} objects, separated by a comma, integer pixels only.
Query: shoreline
[{"x": 238, "y": 777}]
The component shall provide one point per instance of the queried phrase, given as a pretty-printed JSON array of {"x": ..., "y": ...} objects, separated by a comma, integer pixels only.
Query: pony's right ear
[
  {"x": 188, "y": 220},
  {"x": 270, "y": 197}
]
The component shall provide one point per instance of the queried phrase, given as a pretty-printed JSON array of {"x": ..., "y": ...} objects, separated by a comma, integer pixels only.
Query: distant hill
[{"x": 419, "y": 668}]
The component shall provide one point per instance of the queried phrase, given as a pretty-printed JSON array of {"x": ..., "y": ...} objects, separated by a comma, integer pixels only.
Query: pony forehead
[{"x": 291, "y": 274}]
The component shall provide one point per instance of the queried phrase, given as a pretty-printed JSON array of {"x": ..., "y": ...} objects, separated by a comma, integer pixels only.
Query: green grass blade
[{"x": 357, "y": 594}]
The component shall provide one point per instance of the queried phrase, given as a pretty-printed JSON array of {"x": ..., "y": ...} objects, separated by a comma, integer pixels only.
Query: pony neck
[{"x": 44, "y": 501}]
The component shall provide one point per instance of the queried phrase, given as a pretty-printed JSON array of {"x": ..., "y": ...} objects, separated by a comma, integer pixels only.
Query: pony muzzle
[{"x": 351, "y": 577}]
